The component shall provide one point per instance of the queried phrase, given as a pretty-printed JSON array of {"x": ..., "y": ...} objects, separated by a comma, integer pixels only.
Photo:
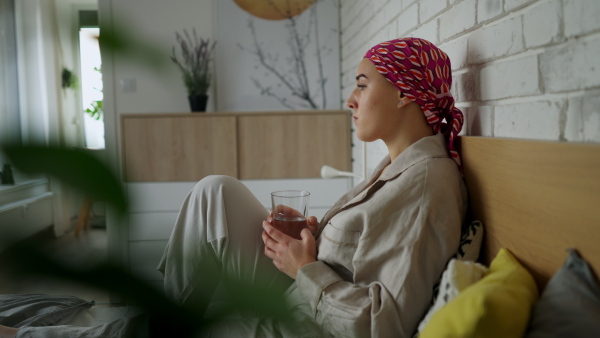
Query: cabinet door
[
  {"x": 292, "y": 145},
  {"x": 178, "y": 148}
]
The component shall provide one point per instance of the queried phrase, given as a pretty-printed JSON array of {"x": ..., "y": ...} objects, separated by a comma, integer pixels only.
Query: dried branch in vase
[
  {"x": 196, "y": 54},
  {"x": 294, "y": 75}
]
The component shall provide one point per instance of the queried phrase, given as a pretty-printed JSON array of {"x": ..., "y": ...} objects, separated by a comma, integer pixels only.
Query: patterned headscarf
[{"x": 422, "y": 72}]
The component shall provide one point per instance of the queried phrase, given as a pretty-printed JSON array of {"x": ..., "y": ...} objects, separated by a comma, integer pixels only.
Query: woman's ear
[{"x": 401, "y": 99}]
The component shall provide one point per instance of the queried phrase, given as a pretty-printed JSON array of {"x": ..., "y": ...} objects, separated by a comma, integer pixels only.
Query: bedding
[
  {"x": 39, "y": 310},
  {"x": 498, "y": 305},
  {"x": 50, "y": 316},
  {"x": 470, "y": 242},
  {"x": 570, "y": 303},
  {"x": 457, "y": 276},
  {"x": 468, "y": 250}
]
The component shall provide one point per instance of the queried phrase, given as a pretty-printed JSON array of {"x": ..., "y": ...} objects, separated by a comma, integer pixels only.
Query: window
[{"x": 91, "y": 79}]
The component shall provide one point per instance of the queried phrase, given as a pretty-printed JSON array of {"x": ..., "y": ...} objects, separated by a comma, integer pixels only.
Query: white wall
[
  {"x": 39, "y": 88},
  {"x": 521, "y": 68},
  {"x": 154, "y": 22},
  {"x": 151, "y": 22}
]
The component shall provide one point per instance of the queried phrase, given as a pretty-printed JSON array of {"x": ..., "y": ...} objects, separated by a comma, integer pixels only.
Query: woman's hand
[{"x": 289, "y": 254}]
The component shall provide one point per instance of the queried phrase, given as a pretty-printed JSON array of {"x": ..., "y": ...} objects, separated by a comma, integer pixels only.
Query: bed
[
  {"x": 536, "y": 272},
  {"x": 536, "y": 198}
]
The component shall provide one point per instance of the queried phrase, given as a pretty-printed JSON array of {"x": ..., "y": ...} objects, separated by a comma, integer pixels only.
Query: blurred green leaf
[
  {"x": 69, "y": 79},
  {"x": 95, "y": 111},
  {"x": 166, "y": 318},
  {"x": 77, "y": 168},
  {"x": 122, "y": 42},
  {"x": 83, "y": 171}
]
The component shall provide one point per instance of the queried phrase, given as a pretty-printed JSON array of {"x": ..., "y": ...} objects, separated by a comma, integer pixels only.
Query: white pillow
[
  {"x": 470, "y": 242},
  {"x": 458, "y": 275},
  {"x": 468, "y": 251}
]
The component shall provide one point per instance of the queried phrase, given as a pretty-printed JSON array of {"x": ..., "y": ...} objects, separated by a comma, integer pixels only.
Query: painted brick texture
[{"x": 521, "y": 68}]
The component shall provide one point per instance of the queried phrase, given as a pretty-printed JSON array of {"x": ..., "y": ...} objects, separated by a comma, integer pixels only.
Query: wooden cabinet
[
  {"x": 268, "y": 145},
  {"x": 292, "y": 145},
  {"x": 178, "y": 148}
]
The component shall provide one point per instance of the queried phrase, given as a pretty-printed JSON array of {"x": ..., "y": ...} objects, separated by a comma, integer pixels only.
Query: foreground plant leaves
[
  {"x": 89, "y": 175},
  {"x": 165, "y": 318},
  {"x": 77, "y": 168},
  {"x": 124, "y": 42}
]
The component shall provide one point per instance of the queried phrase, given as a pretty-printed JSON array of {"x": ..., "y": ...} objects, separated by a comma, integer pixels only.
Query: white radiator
[{"x": 25, "y": 215}]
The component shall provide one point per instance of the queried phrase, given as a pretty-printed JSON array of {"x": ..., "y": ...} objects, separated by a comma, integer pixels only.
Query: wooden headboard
[{"x": 536, "y": 198}]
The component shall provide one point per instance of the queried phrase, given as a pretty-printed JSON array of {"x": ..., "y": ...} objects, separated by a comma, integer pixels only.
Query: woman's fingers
[
  {"x": 313, "y": 225},
  {"x": 269, "y": 245},
  {"x": 305, "y": 234},
  {"x": 273, "y": 233}
]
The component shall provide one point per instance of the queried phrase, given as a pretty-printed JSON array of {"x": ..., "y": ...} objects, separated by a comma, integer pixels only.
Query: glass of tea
[{"x": 290, "y": 211}]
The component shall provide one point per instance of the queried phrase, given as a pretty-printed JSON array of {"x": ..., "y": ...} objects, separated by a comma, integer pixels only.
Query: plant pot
[{"x": 198, "y": 102}]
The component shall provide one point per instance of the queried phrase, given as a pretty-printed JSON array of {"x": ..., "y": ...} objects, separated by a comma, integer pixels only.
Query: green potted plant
[
  {"x": 196, "y": 54},
  {"x": 68, "y": 79}
]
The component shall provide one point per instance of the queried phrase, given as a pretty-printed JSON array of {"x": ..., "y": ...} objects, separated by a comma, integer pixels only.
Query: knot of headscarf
[{"x": 422, "y": 72}]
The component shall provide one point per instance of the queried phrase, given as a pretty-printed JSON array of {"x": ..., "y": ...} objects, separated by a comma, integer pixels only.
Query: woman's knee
[{"x": 216, "y": 181}]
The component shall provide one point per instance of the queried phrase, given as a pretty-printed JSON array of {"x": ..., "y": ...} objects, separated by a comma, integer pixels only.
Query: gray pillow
[{"x": 570, "y": 303}]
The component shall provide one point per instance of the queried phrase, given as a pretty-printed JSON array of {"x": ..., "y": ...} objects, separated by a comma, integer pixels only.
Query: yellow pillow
[{"x": 498, "y": 305}]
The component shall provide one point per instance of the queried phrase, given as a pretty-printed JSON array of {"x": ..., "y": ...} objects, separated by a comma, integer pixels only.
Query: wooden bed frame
[{"x": 535, "y": 198}]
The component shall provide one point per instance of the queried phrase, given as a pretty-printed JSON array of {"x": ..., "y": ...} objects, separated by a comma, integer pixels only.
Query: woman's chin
[{"x": 363, "y": 137}]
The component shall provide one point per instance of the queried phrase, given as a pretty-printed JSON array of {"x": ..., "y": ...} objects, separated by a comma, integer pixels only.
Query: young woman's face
[{"x": 374, "y": 103}]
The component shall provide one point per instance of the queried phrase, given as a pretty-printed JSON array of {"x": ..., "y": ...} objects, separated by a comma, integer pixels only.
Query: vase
[{"x": 198, "y": 102}]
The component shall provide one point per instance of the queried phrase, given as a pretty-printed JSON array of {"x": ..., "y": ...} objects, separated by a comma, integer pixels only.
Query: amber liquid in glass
[{"x": 291, "y": 225}]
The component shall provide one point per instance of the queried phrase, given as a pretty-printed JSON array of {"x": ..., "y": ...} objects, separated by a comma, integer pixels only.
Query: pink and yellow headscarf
[{"x": 422, "y": 72}]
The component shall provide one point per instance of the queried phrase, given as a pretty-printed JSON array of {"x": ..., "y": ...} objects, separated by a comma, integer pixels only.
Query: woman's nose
[{"x": 350, "y": 103}]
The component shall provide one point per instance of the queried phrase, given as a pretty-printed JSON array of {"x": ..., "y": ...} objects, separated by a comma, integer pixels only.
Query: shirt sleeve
[{"x": 400, "y": 256}]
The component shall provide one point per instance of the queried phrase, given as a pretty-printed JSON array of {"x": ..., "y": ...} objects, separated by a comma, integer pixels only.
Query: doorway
[{"x": 91, "y": 79}]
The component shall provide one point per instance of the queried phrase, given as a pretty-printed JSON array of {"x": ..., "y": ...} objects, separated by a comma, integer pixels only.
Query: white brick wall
[
  {"x": 457, "y": 19},
  {"x": 583, "y": 119},
  {"x": 408, "y": 20},
  {"x": 480, "y": 121},
  {"x": 522, "y": 68},
  {"x": 571, "y": 67},
  {"x": 518, "y": 77},
  {"x": 537, "y": 120},
  {"x": 496, "y": 41},
  {"x": 457, "y": 52},
  {"x": 429, "y": 8},
  {"x": 581, "y": 17},
  {"x": 512, "y": 4},
  {"x": 541, "y": 25},
  {"x": 488, "y": 9}
]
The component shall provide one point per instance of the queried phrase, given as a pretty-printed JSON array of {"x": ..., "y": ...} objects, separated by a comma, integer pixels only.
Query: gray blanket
[{"x": 49, "y": 316}]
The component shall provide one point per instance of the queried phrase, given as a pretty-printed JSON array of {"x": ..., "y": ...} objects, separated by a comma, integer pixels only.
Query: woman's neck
[
  {"x": 397, "y": 147},
  {"x": 413, "y": 128}
]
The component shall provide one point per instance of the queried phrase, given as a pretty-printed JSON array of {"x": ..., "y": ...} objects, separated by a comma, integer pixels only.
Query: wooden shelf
[{"x": 250, "y": 145}]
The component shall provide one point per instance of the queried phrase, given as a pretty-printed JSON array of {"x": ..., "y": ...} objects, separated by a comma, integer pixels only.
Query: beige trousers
[{"x": 218, "y": 233}]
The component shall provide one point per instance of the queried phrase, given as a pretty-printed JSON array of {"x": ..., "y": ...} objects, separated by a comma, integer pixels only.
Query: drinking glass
[{"x": 290, "y": 211}]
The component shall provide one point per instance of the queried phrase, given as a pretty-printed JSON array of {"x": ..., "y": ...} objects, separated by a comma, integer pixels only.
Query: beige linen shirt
[{"x": 384, "y": 245}]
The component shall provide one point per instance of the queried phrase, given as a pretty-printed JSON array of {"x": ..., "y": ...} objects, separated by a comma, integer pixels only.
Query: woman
[{"x": 369, "y": 267}]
